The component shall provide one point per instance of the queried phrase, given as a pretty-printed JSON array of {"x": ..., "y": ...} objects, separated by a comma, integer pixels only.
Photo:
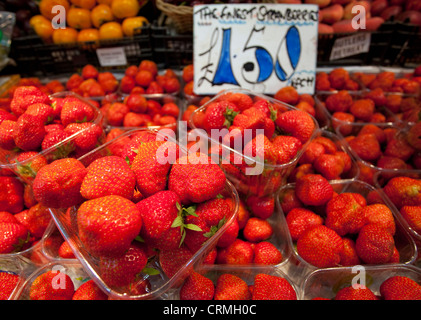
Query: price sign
[
  {"x": 110, "y": 57},
  {"x": 260, "y": 47}
]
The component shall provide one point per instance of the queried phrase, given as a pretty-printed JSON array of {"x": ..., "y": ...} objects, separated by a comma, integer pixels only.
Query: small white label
[
  {"x": 351, "y": 45},
  {"x": 109, "y": 57}
]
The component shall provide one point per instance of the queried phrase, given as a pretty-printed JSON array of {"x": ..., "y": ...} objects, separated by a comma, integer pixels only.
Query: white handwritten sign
[
  {"x": 260, "y": 47},
  {"x": 109, "y": 57},
  {"x": 350, "y": 45}
]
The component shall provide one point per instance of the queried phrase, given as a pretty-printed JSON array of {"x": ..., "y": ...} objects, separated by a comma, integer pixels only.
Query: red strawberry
[
  {"x": 76, "y": 110},
  {"x": 11, "y": 194},
  {"x": 121, "y": 271},
  {"x": 399, "y": 147},
  {"x": 24, "y": 96},
  {"x": 36, "y": 220},
  {"x": 86, "y": 135},
  {"x": 7, "y": 128},
  {"x": 229, "y": 235},
  {"x": 261, "y": 207},
  {"x": 13, "y": 237},
  {"x": 267, "y": 253},
  {"x": 152, "y": 165},
  {"x": 196, "y": 178},
  {"x": 53, "y": 138},
  {"x": 57, "y": 185},
  {"x": 8, "y": 283},
  {"x": 257, "y": 230},
  {"x": 355, "y": 292},
  {"x": 197, "y": 287},
  {"x": 251, "y": 118},
  {"x": 159, "y": 212},
  {"x": 42, "y": 111},
  {"x": 172, "y": 261},
  {"x": 28, "y": 132},
  {"x": 403, "y": 191},
  {"x": 366, "y": 146},
  {"x": 109, "y": 175},
  {"x": 239, "y": 253},
  {"x": 241, "y": 100},
  {"x": 300, "y": 220},
  {"x": 374, "y": 244},
  {"x": 5, "y": 115},
  {"x": 313, "y": 189},
  {"x": 289, "y": 200},
  {"x": 344, "y": 214},
  {"x": 349, "y": 256},
  {"x": 7, "y": 217},
  {"x": 330, "y": 166},
  {"x": 270, "y": 287},
  {"x": 28, "y": 163},
  {"x": 321, "y": 247},
  {"x": 261, "y": 149},
  {"x": 52, "y": 285},
  {"x": 231, "y": 287},
  {"x": 65, "y": 251},
  {"x": 312, "y": 152},
  {"x": 412, "y": 215},
  {"x": 339, "y": 102},
  {"x": 286, "y": 148},
  {"x": 219, "y": 115},
  {"x": 297, "y": 123},
  {"x": 400, "y": 288},
  {"x": 381, "y": 214},
  {"x": 108, "y": 225},
  {"x": 89, "y": 291}
]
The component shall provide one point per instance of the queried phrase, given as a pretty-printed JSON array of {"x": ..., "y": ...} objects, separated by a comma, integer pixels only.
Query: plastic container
[
  {"x": 71, "y": 268},
  {"x": 326, "y": 283},
  {"x": 257, "y": 177},
  {"x": 303, "y": 166},
  {"x": 369, "y": 170},
  {"x": 160, "y": 284},
  {"x": 50, "y": 244},
  {"x": 299, "y": 268},
  {"x": 246, "y": 273},
  {"x": 60, "y": 150}
]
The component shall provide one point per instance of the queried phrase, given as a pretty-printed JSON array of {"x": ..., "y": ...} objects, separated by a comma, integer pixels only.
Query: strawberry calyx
[
  {"x": 229, "y": 116},
  {"x": 25, "y": 170},
  {"x": 21, "y": 243},
  {"x": 183, "y": 212},
  {"x": 214, "y": 229}
]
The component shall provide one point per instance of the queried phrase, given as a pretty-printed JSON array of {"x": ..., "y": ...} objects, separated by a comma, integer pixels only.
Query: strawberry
[
  {"x": 399, "y": 147},
  {"x": 159, "y": 213},
  {"x": 231, "y": 287},
  {"x": 196, "y": 178},
  {"x": 7, "y": 140},
  {"x": 152, "y": 165},
  {"x": 330, "y": 166},
  {"x": 65, "y": 251},
  {"x": 286, "y": 148},
  {"x": 251, "y": 118},
  {"x": 321, "y": 247},
  {"x": 229, "y": 235},
  {"x": 344, "y": 214},
  {"x": 400, "y": 288},
  {"x": 52, "y": 138},
  {"x": 381, "y": 214},
  {"x": 76, "y": 110},
  {"x": 109, "y": 175},
  {"x": 300, "y": 220},
  {"x": 313, "y": 190},
  {"x": 289, "y": 200},
  {"x": 13, "y": 237},
  {"x": 288, "y": 95},
  {"x": 7, "y": 217},
  {"x": 28, "y": 132},
  {"x": 257, "y": 230},
  {"x": 42, "y": 111},
  {"x": 36, "y": 220},
  {"x": 241, "y": 100},
  {"x": 52, "y": 285},
  {"x": 239, "y": 253},
  {"x": 403, "y": 191},
  {"x": 219, "y": 115},
  {"x": 297, "y": 123},
  {"x": 29, "y": 163},
  {"x": 24, "y": 96},
  {"x": 11, "y": 194},
  {"x": 362, "y": 109},
  {"x": 261, "y": 149},
  {"x": 8, "y": 283},
  {"x": 121, "y": 271},
  {"x": 412, "y": 215},
  {"x": 261, "y": 207},
  {"x": 89, "y": 291},
  {"x": 266, "y": 253},
  {"x": 366, "y": 146},
  {"x": 5, "y": 115},
  {"x": 129, "y": 151},
  {"x": 355, "y": 292},
  {"x": 116, "y": 112},
  {"x": 86, "y": 135},
  {"x": 197, "y": 287},
  {"x": 339, "y": 102},
  {"x": 312, "y": 152},
  {"x": 108, "y": 225},
  {"x": 413, "y": 136},
  {"x": 349, "y": 256},
  {"x": 171, "y": 261},
  {"x": 57, "y": 185},
  {"x": 374, "y": 244},
  {"x": 270, "y": 287}
]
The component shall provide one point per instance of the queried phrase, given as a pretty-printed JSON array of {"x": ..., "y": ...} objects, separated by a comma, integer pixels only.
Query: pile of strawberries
[
  {"x": 39, "y": 129},
  {"x": 332, "y": 229}
]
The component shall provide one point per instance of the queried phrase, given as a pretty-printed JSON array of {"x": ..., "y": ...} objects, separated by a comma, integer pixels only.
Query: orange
[
  {"x": 79, "y": 18},
  {"x": 100, "y": 14},
  {"x": 107, "y": 2},
  {"x": 131, "y": 25},
  {"x": 42, "y": 26},
  {"x": 125, "y": 8},
  {"x": 87, "y": 4},
  {"x": 66, "y": 35},
  {"x": 88, "y": 35},
  {"x": 46, "y": 6},
  {"x": 110, "y": 30}
]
